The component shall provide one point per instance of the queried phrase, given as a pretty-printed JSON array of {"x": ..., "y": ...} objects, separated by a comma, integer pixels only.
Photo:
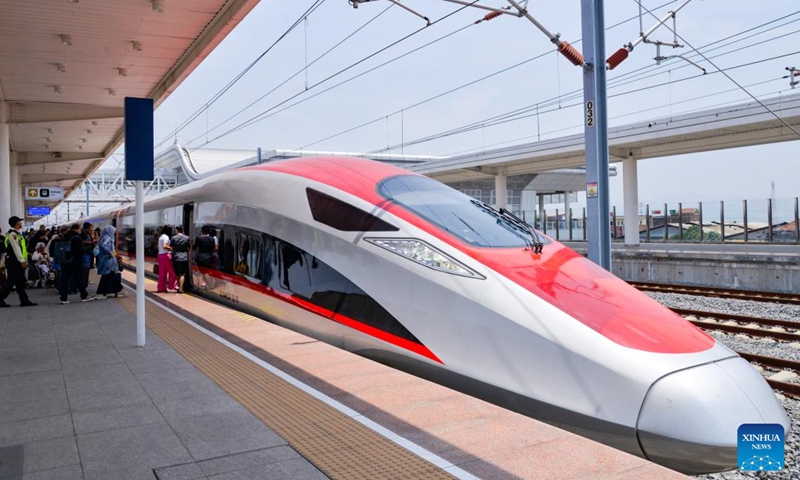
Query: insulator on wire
[
  {"x": 570, "y": 53},
  {"x": 618, "y": 57},
  {"x": 488, "y": 16}
]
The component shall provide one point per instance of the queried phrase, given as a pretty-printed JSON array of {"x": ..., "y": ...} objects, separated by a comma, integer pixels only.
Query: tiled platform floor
[{"x": 78, "y": 400}]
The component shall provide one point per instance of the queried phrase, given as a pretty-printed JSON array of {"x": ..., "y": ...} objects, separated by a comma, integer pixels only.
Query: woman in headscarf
[{"x": 107, "y": 266}]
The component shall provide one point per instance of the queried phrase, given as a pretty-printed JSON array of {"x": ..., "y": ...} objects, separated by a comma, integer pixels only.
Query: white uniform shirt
[{"x": 162, "y": 241}]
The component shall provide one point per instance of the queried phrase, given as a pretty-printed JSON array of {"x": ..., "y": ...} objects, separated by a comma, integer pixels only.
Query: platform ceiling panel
[{"x": 65, "y": 94}]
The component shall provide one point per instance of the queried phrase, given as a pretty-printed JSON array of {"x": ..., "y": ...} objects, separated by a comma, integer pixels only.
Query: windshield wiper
[
  {"x": 538, "y": 245},
  {"x": 518, "y": 223}
]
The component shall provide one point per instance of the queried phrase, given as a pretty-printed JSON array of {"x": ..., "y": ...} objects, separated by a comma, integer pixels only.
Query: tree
[{"x": 692, "y": 234}]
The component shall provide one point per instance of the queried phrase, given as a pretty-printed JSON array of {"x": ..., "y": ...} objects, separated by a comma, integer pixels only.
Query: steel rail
[{"x": 759, "y": 296}]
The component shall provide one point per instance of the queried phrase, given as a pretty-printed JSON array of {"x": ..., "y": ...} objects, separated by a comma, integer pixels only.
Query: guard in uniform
[{"x": 16, "y": 264}]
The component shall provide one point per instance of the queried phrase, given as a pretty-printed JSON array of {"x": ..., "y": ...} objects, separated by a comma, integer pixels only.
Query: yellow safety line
[{"x": 339, "y": 446}]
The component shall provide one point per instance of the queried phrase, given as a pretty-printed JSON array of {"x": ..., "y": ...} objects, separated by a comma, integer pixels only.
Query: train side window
[
  {"x": 295, "y": 276},
  {"x": 342, "y": 216},
  {"x": 249, "y": 254}
]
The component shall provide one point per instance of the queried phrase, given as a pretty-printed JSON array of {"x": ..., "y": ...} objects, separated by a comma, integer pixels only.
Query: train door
[
  {"x": 188, "y": 228},
  {"x": 188, "y": 219}
]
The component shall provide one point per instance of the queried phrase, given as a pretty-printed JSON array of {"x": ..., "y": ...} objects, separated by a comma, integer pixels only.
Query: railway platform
[{"x": 218, "y": 394}]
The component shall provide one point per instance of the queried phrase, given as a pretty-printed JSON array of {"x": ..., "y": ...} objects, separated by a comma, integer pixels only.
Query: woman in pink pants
[{"x": 165, "y": 271}]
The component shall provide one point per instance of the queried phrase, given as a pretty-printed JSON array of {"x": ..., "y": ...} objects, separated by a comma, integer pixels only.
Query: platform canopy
[{"x": 67, "y": 65}]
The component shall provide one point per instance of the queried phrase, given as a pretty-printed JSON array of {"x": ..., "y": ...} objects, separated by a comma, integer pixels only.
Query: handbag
[{"x": 155, "y": 269}]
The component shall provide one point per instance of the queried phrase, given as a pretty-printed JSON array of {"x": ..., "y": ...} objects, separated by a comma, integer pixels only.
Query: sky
[{"x": 473, "y": 52}]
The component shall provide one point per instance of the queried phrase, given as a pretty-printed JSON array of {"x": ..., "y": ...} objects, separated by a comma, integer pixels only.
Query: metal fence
[{"x": 743, "y": 221}]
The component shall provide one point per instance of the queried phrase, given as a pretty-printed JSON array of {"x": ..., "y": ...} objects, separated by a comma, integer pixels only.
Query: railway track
[
  {"x": 773, "y": 297},
  {"x": 778, "y": 364},
  {"x": 754, "y": 326}
]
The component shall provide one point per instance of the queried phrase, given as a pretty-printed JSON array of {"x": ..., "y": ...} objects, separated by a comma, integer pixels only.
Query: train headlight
[{"x": 425, "y": 254}]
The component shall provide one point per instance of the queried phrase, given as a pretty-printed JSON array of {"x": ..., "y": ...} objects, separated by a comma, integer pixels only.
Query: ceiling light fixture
[
  {"x": 46, "y": 146},
  {"x": 94, "y": 122},
  {"x": 123, "y": 72},
  {"x": 61, "y": 68},
  {"x": 136, "y": 45},
  {"x": 80, "y": 147},
  {"x": 158, "y": 6},
  {"x": 48, "y": 139},
  {"x": 111, "y": 91},
  {"x": 57, "y": 89},
  {"x": 73, "y": 1},
  {"x": 89, "y": 131},
  {"x": 83, "y": 140},
  {"x": 66, "y": 40},
  {"x": 49, "y": 130}
]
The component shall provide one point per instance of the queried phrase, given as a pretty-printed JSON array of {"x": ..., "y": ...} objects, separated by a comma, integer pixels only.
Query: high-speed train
[{"x": 404, "y": 270}]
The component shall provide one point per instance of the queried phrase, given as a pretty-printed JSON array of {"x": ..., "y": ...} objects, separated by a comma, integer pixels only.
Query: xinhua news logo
[{"x": 760, "y": 447}]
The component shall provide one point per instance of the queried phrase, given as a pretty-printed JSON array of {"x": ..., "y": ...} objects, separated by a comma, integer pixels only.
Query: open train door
[{"x": 188, "y": 228}]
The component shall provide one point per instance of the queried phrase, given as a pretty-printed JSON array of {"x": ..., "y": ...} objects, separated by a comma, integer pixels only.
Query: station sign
[
  {"x": 44, "y": 193},
  {"x": 38, "y": 211}
]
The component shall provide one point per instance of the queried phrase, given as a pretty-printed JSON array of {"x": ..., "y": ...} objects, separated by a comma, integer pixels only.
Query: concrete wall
[{"x": 776, "y": 273}]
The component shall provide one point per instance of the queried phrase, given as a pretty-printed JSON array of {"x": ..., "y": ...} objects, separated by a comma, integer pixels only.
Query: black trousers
[
  {"x": 71, "y": 277},
  {"x": 15, "y": 277}
]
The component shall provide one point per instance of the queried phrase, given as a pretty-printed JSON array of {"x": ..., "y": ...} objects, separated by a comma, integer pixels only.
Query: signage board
[
  {"x": 139, "y": 137},
  {"x": 38, "y": 211},
  {"x": 44, "y": 193}
]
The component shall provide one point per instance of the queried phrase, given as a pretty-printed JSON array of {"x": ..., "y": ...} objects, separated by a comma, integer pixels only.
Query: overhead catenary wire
[
  {"x": 260, "y": 116},
  {"x": 780, "y": 119},
  {"x": 520, "y": 112},
  {"x": 293, "y": 76},
  {"x": 468, "y": 84},
  {"x": 638, "y": 73},
  {"x": 235, "y": 79},
  {"x": 649, "y": 109},
  {"x": 503, "y": 118}
]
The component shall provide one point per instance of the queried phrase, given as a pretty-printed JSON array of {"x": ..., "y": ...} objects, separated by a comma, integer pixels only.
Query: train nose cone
[{"x": 689, "y": 418}]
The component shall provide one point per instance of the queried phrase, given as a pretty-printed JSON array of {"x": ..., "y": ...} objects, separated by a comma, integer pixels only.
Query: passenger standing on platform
[
  {"x": 181, "y": 246},
  {"x": 55, "y": 266},
  {"x": 107, "y": 266},
  {"x": 69, "y": 252},
  {"x": 166, "y": 275},
  {"x": 16, "y": 264},
  {"x": 87, "y": 240}
]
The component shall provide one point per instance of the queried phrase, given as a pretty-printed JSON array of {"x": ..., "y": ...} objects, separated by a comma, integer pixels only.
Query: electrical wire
[
  {"x": 260, "y": 116},
  {"x": 305, "y": 69},
  {"x": 645, "y": 110},
  {"x": 553, "y": 101},
  {"x": 780, "y": 119},
  {"x": 503, "y": 119},
  {"x": 232, "y": 82},
  {"x": 646, "y": 70},
  {"x": 468, "y": 84}
]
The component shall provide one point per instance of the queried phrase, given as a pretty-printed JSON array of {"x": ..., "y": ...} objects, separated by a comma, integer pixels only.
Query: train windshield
[{"x": 454, "y": 212}]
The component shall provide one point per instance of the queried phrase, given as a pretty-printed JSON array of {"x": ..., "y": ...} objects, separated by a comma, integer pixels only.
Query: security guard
[{"x": 16, "y": 264}]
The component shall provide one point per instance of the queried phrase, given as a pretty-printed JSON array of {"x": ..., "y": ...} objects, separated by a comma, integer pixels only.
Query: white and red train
[{"x": 401, "y": 269}]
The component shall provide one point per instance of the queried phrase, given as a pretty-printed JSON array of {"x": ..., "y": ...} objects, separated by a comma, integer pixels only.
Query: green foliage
[{"x": 692, "y": 234}]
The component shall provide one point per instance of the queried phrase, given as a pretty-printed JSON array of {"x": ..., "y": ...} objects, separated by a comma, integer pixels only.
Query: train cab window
[
  {"x": 342, "y": 216},
  {"x": 453, "y": 212}
]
